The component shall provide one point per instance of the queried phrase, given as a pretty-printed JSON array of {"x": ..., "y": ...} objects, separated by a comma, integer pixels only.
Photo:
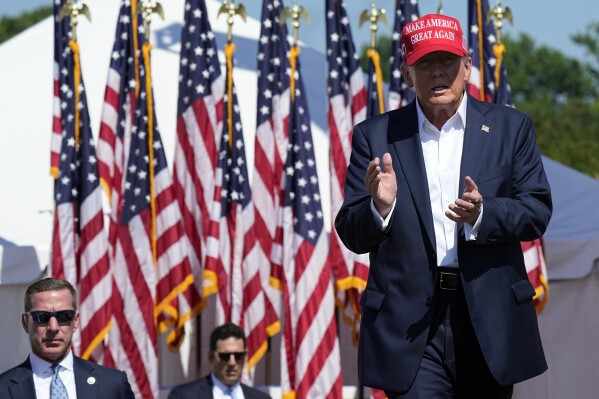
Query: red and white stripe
[
  {"x": 232, "y": 263},
  {"x": 270, "y": 153},
  {"x": 56, "y": 137},
  {"x": 133, "y": 338},
  {"x": 310, "y": 358},
  {"x": 149, "y": 295},
  {"x": 350, "y": 270},
  {"x": 534, "y": 259},
  {"x": 79, "y": 242},
  {"x": 85, "y": 254},
  {"x": 140, "y": 284},
  {"x": 110, "y": 151},
  {"x": 196, "y": 152}
]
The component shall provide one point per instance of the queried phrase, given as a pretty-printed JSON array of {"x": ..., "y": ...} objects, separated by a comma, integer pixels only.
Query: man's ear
[
  {"x": 405, "y": 72},
  {"x": 468, "y": 68},
  {"x": 76, "y": 321},
  {"x": 25, "y": 322}
]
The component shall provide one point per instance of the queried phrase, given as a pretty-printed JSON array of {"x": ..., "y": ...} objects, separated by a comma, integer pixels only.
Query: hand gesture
[
  {"x": 468, "y": 208},
  {"x": 381, "y": 184}
]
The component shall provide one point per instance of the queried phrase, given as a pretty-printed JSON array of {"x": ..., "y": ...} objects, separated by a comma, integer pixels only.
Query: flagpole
[{"x": 375, "y": 15}]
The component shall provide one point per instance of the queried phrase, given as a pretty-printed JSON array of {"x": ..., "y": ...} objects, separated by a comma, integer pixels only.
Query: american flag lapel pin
[{"x": 485, "y": 128}]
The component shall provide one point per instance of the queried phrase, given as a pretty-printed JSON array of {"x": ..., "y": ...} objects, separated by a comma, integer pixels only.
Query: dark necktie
[{"x": 57, "y": 389}]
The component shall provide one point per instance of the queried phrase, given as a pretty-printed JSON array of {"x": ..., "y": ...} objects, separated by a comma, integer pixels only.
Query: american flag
[
  {"x": 149, "y": 249},
  {"x": 489, "y": 83},
  {"x": 62, "y": 35},
  {"x": 119, "y": 101},
  {"x": 534, "y": 259},
  {"x": 199, "y": 128},
  {"x": 270, "y": 148},
  {"x": 375, "y": 99},
  {"x": 399, "y": 93},
  {"x": 232, "y": 251},
  {"x": 347, "y": 107},
  {"x": 310, "y": 355},
  {"x": 79, "y": 242}
]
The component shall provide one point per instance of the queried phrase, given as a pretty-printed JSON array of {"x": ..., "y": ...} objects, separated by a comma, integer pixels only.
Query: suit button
[{"x": 429, "y": 301}]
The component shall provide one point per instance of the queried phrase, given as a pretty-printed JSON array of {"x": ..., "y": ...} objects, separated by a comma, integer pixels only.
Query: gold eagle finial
[{"x": 374, "y": 15}]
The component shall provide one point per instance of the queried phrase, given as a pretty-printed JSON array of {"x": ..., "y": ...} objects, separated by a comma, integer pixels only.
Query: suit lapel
[
  {"x": 406, "y": 141},
  {"x": 22, "y": 386},
  {"x": 85, "y": 383},
  {"x": 477, "y": 135},
  {"x": 205, "y": 387}
]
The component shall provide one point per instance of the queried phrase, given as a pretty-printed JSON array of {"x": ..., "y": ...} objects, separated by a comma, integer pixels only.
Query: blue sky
[{"x": 548, "y": 24}]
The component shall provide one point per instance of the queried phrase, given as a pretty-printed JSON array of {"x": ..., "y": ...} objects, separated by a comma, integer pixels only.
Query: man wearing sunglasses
[
  {"x": 52, "y": 371},
  {"x": 227, "y": 357}
]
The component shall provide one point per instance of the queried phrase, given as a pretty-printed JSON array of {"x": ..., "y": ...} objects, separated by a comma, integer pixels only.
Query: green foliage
[
  {"x": 383, "y": 46},
  {"x": 542, "y": 72},
  {"x": 590, "y": 41},
  {"x": 561, "y": 94},
  {"x": 567, "y": 132},
  {"x": 10, "y": 26}
]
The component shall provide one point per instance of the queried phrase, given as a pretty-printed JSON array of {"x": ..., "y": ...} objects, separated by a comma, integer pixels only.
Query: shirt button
[{"x": 429, "y": 301}]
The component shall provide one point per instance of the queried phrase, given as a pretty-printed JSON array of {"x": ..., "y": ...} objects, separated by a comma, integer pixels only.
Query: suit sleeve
[
  {"x": 174, "y": 394},
  {"x": 128, "y": 392},
  {"x": 525, "y": 214},
  {"x": 355, "y": 222}
]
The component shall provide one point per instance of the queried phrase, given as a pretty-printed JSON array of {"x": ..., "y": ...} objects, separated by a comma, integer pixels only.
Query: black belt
[{"x": 448, "y": 279}]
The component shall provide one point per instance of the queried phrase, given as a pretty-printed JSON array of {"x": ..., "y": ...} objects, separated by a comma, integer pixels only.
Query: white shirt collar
[
  {"x": 461, "y": 113},
  {"x": 235, "y": 388},
  {"x": 39, "y": 366}
]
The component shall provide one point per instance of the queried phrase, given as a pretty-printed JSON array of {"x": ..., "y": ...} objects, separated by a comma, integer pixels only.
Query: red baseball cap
[{"x": 433, "y": 32}]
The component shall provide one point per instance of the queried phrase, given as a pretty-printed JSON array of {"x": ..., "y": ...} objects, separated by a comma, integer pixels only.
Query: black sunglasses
[
  {"x": 225, "y": 356},
  {"x": 62, "y": 316}
]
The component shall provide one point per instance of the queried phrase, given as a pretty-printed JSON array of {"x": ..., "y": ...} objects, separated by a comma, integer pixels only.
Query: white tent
[
  {"x": 567, "y": 324},
  {"x": 570, "y": 319}
]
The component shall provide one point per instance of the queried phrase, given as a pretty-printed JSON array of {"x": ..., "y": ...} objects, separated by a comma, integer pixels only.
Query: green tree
[
  {"x": 542, "y": 72},
  {"x": 383, "y": 46},
  {"x": 10, "y": 26},
  {"x": 561, "y": 96},
  {"x": 589, "y": 39}
]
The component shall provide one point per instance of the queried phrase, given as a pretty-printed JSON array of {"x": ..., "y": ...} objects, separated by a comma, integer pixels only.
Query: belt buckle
[{"x": 441, "y": 285}]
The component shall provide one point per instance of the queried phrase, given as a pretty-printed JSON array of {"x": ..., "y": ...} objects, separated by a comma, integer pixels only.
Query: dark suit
[
  {"x": 501, "y": 156},
  {"x": 17, "y": 383},
  {"x": 202, "y": 389}
]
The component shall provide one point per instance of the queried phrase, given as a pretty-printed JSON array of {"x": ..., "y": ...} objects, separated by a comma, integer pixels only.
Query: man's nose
[
  {"x": 436, "y": 67},
  {"x": 53, "y": 324}
]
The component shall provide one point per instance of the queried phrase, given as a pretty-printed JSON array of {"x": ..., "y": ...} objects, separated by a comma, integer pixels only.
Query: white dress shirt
[
  {"x": 442, "y": 152},
  {"x": 221, "y": 391},
  {"x": 42, "y": 375}
]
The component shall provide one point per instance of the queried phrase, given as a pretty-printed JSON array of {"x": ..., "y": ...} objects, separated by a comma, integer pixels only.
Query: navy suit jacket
[
  {"x": 501, "y": 155},
  {"x": 202, "y": 389},
  {"x": 17, "y": 383}
]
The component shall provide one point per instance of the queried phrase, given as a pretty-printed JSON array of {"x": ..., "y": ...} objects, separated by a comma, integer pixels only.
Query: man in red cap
[{"x": 440, "y": 193}]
